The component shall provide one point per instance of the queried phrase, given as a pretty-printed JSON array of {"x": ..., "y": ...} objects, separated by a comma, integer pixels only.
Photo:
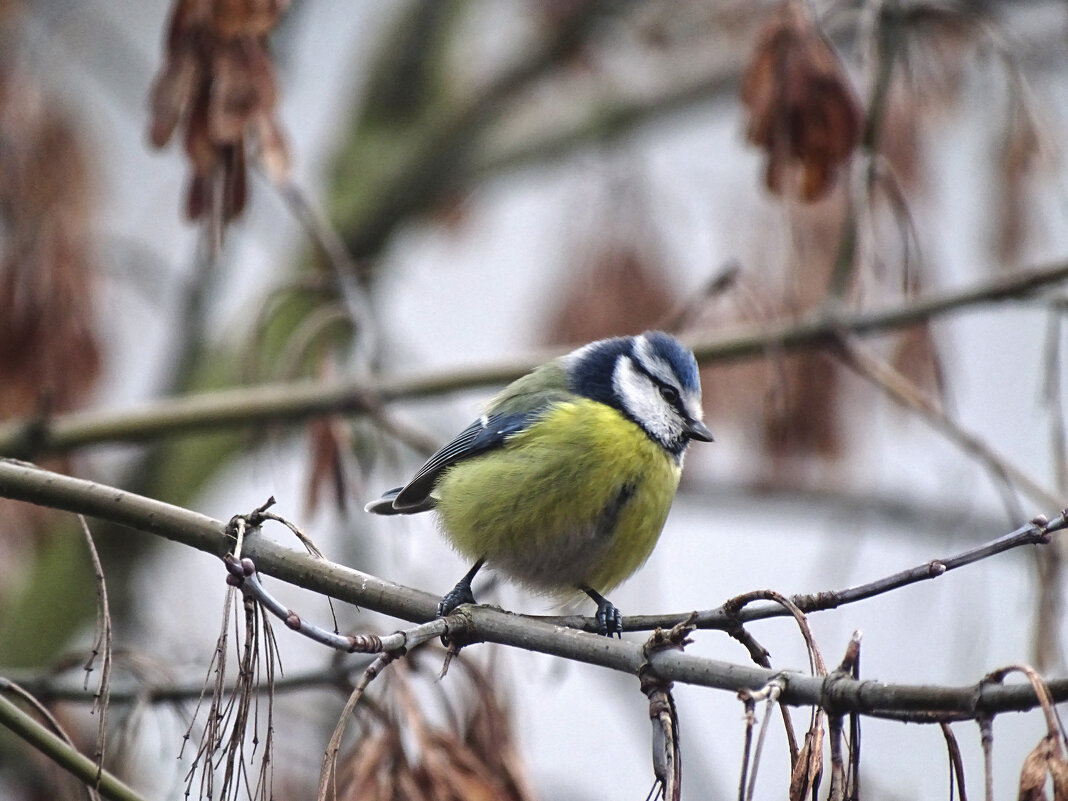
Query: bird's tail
[{"x": 384, "y": 505}]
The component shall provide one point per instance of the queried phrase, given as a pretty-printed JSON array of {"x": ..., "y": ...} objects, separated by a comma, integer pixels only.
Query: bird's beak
[{"x": 698, "y": 430}]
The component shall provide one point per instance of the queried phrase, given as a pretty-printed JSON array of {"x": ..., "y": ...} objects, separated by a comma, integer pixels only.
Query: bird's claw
[
  {"x": 458, "y": 596},
  {"x": 609, "y": 619}
]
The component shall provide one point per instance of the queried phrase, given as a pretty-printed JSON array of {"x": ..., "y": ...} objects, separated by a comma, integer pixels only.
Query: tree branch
[
  {"x": 64, "y": 754},
  {"x": 442, "y": 145},
  {"x": 1037, "y": 532},
  {"x": 295, "y": 402},
  {"x": 902, "y": 391},
  {"x": 21, "y": 481}
]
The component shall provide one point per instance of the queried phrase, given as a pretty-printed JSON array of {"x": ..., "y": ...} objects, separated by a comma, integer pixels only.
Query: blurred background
[{"x": 199, "y": 195}]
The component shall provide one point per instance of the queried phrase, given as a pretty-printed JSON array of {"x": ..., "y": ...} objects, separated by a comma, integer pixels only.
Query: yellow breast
[{"x": 577, "y": 500}]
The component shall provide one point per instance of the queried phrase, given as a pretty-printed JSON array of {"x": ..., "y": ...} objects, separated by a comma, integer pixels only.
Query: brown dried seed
[
  {"x": 802, "y": 109},
  {"x": 217, "y": 80},
  {"x": 1035, "y": 769}
]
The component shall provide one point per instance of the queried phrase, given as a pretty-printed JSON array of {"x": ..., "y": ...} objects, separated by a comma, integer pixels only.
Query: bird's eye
[{"x": 669, "y": 393}]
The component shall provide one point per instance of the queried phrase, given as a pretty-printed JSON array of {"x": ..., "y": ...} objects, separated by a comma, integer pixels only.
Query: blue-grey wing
[{"x": 486, "y": 433}]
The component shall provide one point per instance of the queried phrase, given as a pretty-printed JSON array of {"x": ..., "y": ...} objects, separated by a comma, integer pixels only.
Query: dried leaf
[
  {"x": 273, "y": 150},
  {"x": 330, "y": 440},
  {"x": 1035, "y": 769},
  {"x": 471, "y": 761},
  {"x": 667, "y": 755},
  {"x": 366, "y": 771},
  {"x": 900, "y": 140},
  {"x": 490, "y": 737},
  {"x": 455, "y": 771},
  {"x": 802, "y": 108},
  {"x": 803, "y": 416},
  {"x": 808, "y": 769},
  {"x": 176, "y": 81},
  {"x": 217, "y": 79},
  {"x": 233, "y": 18},
  {"x": 1023, "y": 150},
  {"x": 1058, "y": 770},
  {"x": 203, "y": 155},
  {"x": 243, "y": 87},
  {"x": 49, "y": 352}
]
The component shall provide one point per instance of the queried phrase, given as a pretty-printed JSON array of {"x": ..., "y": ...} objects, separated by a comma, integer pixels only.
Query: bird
[{"x": 565, "y": 481}]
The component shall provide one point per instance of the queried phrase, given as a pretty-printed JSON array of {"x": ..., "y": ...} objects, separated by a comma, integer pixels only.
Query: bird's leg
[
  {"x": 609, "y": 619},
  {"x": 461, "y": 593}
]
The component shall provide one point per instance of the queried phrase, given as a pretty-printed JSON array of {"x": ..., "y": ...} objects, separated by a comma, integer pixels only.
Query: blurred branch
[
  {"x": 917, "y": 518},
  {"x": 442, "y": 142},
  {"x": 904, "y": 392},
  {"x": 64, "y": 754},
  {"x": 135, "y": 690},
  {"x": 296, "y": 402},
  {"x": 26, "y": 482},
  {"x": 612, "y": 114}
]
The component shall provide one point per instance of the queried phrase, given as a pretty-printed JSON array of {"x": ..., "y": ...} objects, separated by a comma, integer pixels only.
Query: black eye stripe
[
  {"x": 671, "y": 395},
  {"x": 667, "y": 391}
]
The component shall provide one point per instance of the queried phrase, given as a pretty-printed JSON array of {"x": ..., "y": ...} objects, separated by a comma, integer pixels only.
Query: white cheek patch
[
  {"x": 656, "y": 366},
  {"x": 641, "y": 398}
]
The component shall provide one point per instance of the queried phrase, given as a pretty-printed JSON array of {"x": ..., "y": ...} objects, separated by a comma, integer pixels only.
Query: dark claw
[
  {"x": 458, "y": 596},
  {"x": 609, "y": 618}
]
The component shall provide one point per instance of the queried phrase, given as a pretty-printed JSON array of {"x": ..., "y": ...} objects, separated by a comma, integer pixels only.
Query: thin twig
[
  {"x": 956, "y": 763},
  {"x": 771, "y": 692},
  {"x": 232, "y": 714},
  {"x": 750, "y": 719},
  {"x": 1053, "y": 724},
  {"x": 1037, "y": 532},
  {"x": 102, "y": 641},
  {"x": 986, "y": 736},
  {"x": 815, "y": 658},
  {"x": 328, "y": 770},
  {"x": 904, "y": 392},
  {"x": 343, "y": 268},
  {"x": 243, "y": 575},
  {"x": 138, "y": 690}
]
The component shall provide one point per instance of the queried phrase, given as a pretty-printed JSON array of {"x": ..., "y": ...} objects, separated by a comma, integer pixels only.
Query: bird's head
[{"x": 651, "y": 378}]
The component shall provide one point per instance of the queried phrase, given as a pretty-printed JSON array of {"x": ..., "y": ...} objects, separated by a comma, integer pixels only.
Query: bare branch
[
  {"x": 328, "y": 769},
  {"x": 102, "y": 641},
  {"x": 956, "y": 763},
  {"x": 772, "y": 693},
  {"x": 904, "y": 392},
  {"x": 986, "y": 735},
  {"x": 726, "y": 618},
  {"x": 64, "y": 754},
  {"x": 242, "y": 574},
  {"x": 49, "y": 689},
  {"x": 477, "y": 623}
]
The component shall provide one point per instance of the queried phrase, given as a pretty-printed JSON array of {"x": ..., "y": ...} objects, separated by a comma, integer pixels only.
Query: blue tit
[{"x": 564, "y": 483}]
